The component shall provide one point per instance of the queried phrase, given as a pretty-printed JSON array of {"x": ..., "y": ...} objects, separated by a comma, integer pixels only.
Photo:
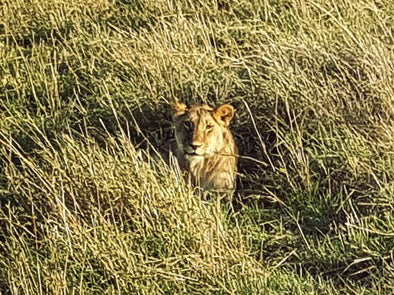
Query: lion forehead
[
  {"x": 197, "y": 114},
  {"x": 201, "y": 116},
  {"x": 201, "y": 107}
]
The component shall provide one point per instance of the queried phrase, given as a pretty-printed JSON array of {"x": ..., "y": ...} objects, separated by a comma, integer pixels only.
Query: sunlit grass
[{"x": 90, "y": 200}]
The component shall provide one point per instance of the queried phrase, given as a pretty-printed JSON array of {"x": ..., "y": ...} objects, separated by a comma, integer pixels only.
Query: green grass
[{"x": 88, "y": 203}]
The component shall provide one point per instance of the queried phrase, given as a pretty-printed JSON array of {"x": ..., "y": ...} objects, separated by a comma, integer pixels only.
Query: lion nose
[{"x": 195, "y": 145}]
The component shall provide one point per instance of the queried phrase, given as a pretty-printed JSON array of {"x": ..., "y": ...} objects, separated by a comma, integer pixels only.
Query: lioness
[{"x": 205, "y": 146}]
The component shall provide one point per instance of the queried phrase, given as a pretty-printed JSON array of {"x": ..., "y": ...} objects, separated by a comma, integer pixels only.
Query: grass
[{"x": 89, "y": 204}]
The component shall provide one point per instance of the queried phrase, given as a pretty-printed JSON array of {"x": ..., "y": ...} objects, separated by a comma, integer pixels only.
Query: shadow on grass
[{"x": 150, "y": 128}]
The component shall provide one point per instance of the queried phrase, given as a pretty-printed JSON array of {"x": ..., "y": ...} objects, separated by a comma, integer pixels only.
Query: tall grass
[{"x": 90, "y": 203}]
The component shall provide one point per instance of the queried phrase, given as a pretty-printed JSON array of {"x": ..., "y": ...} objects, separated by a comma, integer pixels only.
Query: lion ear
[
  {"x": 223, "y": 114},
  {"x": 178, "y": 107}
]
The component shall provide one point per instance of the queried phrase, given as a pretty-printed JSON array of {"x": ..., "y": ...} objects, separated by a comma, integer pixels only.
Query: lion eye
[
  {"x": 187, "y": 124},
  {"x": 209, "y": 127}
]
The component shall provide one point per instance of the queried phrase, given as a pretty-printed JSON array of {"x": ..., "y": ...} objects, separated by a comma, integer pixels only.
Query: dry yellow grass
[{"x": 88, "y": 204}]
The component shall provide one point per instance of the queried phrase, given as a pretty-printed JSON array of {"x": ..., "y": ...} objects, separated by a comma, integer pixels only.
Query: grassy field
[{"x": 88, "y": 201}]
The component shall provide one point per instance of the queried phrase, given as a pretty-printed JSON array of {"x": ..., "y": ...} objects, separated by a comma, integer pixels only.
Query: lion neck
[{"x": 207, "y": 171}]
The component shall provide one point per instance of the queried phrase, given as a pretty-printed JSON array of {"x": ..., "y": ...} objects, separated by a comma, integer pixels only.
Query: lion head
[
  {"x": 199, "y": 130},
  {"x": 204, "y": 144}
]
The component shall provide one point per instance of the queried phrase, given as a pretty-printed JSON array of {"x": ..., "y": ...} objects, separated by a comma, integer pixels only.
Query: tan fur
[{"x": 205, "y": 146}]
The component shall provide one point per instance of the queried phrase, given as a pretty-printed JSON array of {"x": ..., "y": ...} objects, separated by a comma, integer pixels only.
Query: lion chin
[{"x": 205, "y": 147}]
